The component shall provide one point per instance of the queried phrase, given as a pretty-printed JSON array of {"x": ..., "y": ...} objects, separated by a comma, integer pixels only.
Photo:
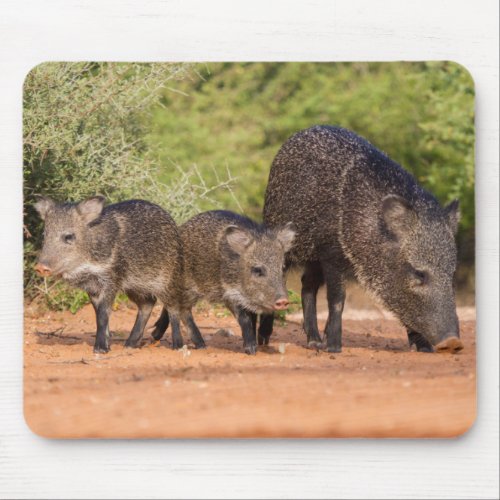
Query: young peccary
[
  {"x": 133, "y": 246},
  {"x": 355, "y": 209},
  {"x": 231, "y": 259}
]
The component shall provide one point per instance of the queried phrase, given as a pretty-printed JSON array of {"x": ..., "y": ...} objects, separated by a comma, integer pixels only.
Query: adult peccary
[
  {"x": 133, "y": 246},
  {"x": 355, "y": 209},
  {"x": 231, "y": 259}
]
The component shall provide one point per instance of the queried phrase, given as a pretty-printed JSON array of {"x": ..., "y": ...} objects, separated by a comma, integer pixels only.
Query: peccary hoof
[
  {"x": 334, "y": 348},
  {"x": 200, "y": 345},
  {"x": 250, "y": 349},
  {"x": 263, "y": 340},
  {"x": 131, "y": 345},
  {"x": 427, "y": 349},
  {"x": 156, "y": 336},
  {"x": 421, "y": 343},
  {"x": 176, "y": 345},
  {"x": 101, "y": 349},
  {"x": 314, "y": 341},
  {"x": 315, "y": 344}
]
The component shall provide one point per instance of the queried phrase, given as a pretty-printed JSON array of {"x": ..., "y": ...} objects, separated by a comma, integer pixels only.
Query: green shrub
[
  {"x": 84, "y": 129},
  {"x": 421, "y": 114}
]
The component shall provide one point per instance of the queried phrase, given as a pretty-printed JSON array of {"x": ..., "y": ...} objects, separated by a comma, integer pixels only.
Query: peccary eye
[
  {"x": 68, "y": 238},
  {"x": 421, "y": 277},
  {"x": 258, "y": 271}
]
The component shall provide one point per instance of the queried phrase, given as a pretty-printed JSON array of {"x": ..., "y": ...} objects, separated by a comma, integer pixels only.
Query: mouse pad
[{"x": 249, "y": 250}]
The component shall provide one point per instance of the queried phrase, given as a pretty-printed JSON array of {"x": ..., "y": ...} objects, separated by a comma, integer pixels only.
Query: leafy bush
[
  {"x": 84, "y": 134},
  {"x": 421, "y": 114},
  {"x": 122, "y": 130}
]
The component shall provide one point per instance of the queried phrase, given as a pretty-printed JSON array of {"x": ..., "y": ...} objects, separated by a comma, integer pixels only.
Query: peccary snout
[
  {"x": 449, "y": 340},
  {"x": 450, "y": 344},
  {"x": 281, "y": 304},
  {"x": 42, "y": 269}
]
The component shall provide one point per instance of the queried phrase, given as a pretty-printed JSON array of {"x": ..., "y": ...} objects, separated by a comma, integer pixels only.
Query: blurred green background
[{"x": 206, "y": 134}]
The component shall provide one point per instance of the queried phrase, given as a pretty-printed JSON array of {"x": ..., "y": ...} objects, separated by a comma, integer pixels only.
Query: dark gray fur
[
  {"x": 133, "y": 246},
  {"x": 222, "y": 253},
  {"x": 354, "y": 209}
]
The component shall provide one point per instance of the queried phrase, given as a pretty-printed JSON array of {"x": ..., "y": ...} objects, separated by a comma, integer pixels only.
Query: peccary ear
[
  {"x": 43, "y": 205},
  {"x": 91, "y": 208},
  {"x": 453, "y": 213},
  {"x": 398, "y": 215},
  {"x": 238, "y": 239},
  {"x": 286, "y": 236}
]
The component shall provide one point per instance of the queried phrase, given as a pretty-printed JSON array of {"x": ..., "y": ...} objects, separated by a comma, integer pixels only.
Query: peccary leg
[
  {"x": 194, "y": 331},
  {"x": 266, "y": 323},
  {"x": 254, "y": 323},
  {"x": 177, "y": 340},
  {"x": 335, "y": 293},
  {"x": 248, "y": 331},
  {"x": 143, "y": 315},
  {"x": 102, "y": 307},
  {"x": 161, "y": 325},
  {"x": 265, "y": 328},
  {"x": 421, "y": 343},
  {"x": 247, "y": 328},
  {"x": 312, "y": 279}
]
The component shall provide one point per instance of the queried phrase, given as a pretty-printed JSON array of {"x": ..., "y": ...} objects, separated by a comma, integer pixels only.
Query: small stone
[{"x": 185, "y": 351}]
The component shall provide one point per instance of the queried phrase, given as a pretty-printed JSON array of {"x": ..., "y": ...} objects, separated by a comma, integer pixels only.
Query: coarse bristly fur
[
  {"x": 223, "y": 251},
  {"x": 133, "y": 246},
  {"x": 232, "y": 260},
  {"x": 355, "y": 209}
]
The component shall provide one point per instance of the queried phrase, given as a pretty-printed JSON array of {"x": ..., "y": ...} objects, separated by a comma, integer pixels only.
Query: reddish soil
[{"x": 376, "y": 387}]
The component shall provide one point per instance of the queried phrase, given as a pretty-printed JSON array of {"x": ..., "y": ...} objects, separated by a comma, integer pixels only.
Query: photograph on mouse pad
[{"x": 249, "y": 250}]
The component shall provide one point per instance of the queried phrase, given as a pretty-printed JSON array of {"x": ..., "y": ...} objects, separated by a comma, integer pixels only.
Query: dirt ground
[{"x": 376, "y": 387}]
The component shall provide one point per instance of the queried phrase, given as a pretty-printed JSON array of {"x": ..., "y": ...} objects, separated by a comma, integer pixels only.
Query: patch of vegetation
[
  {"x": 236, "y": 116},
  {"x": 84, "y": 128}
]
